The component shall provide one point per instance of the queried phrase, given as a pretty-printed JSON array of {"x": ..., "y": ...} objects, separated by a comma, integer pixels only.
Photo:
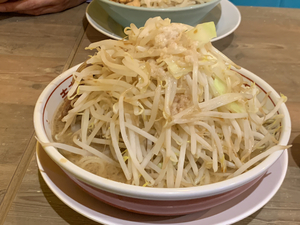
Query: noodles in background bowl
[
  {"x": 161, "y": 3},
  {"x": 165, "y": 109}
]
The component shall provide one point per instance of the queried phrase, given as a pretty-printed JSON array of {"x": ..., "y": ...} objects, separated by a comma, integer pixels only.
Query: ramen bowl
[
  {"x": 147, "y": 200},
  {"x": 125, "y": 14}
]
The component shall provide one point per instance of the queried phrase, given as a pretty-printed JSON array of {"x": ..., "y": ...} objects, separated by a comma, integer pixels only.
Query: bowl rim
[
  {"x": 170, "y": 9},
  {"x": 149, "y": 192}
]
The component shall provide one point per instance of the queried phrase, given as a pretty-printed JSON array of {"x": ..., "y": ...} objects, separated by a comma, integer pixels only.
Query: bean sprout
[{"x": 166, "y": 107}]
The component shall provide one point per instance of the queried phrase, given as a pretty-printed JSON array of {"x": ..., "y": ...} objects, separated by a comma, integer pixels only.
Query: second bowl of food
[
  {"x": 162, "y": 123},
  {"x": 187, "y": 12}
]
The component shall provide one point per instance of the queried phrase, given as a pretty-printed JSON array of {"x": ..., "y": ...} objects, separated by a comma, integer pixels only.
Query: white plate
[
  {"x": 236, "y": 209},
  {"x": 226, "y": 17}
]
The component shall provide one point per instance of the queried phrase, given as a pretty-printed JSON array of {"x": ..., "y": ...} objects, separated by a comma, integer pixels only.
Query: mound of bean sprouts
[
  {"x": 161, "y": 3},
  {"x": 167, "y": 109}
]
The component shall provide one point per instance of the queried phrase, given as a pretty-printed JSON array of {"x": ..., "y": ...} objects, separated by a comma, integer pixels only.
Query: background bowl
[
  {"x": 146, "y": 200},
  {"x": 125, "y": 15}
]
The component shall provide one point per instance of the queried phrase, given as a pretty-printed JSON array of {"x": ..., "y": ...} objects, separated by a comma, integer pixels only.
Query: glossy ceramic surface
[{"x": 162, "y": 208}]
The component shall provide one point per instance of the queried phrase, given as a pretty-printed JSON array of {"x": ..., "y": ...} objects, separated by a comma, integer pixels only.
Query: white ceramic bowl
[
  {"x": 125, "y": 15},
  {"x": 147, "y": 200}
]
